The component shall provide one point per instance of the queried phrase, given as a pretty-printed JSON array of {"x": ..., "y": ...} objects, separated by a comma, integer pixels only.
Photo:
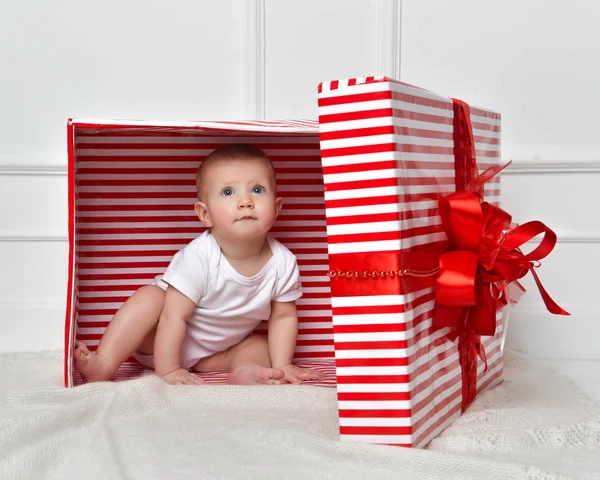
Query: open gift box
[{"x": 361, "y": 190}]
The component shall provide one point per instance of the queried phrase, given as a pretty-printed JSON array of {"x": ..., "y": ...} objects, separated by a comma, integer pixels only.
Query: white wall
[{"x": 191, "y": 60}]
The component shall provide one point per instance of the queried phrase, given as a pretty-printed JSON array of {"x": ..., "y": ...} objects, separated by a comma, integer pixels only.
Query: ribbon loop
[
  {"x": 462, "y": 219},
  {"x": 456, "y": 279},
  {"x": 484, "y": 260},
  {"x": 523, "y": 233}
]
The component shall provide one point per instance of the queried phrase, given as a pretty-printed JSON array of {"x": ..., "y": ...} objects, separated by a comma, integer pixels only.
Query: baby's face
[{"x": 239, "y": 198}]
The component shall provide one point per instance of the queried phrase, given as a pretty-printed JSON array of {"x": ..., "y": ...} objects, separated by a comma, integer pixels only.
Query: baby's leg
[
  {"x": 130, "y": 329},
  {"x": 248, "y": 362}
]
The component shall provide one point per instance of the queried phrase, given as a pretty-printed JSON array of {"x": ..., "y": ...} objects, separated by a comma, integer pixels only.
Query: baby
[{"x": 201, "y": 313}]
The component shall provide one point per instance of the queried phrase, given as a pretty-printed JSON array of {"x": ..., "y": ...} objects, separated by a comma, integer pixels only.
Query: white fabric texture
[
  {"x": 229, "y": 305},
  {"x": 536, "y": 425}
]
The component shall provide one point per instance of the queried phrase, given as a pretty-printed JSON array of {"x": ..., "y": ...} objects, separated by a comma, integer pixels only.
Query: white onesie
[{"x": 229, "y": 306}]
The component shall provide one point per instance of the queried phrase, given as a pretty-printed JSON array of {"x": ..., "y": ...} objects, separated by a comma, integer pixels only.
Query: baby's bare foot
[
  {"x": 255, "y": 375},
  {"x": 93, "y": 368}
]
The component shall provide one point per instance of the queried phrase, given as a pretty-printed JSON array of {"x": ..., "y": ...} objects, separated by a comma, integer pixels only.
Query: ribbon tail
[
  {"x": 481, "y": 353},
  {"x": 551, "y": 305},
  {"x": 484, "y": 177},
  {"x": 468, "y": 362},
  {"x": 482, "y": 317}
]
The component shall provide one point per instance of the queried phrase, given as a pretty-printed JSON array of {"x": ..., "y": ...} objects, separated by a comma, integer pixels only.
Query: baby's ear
[
  {"x": 278, "y": 205},
  {"x": 202, "y": 212}
]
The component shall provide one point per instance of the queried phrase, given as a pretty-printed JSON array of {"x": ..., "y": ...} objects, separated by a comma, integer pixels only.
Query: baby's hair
[{"x": 232, "y": 151}]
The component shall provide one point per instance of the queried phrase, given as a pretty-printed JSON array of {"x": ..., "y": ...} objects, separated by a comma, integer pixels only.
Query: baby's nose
[{"x": 246, "y": 201}]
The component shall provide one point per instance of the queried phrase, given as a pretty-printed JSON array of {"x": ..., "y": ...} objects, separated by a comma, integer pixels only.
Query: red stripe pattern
[
  {"x": 387, "y": 154},
  {"x": 132, "y": 201}
]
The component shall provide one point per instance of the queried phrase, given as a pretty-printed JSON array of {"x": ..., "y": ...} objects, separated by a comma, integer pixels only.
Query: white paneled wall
[
  {"x": 534, "y": 62},
  {"x": 232, "y": 59},
  {"x": 137, "y": 59}
]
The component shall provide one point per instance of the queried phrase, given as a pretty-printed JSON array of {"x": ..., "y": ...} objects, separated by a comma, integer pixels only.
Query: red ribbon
[
  {"x": 485, "y": 257},
  {"x": 484, "y": 260}
]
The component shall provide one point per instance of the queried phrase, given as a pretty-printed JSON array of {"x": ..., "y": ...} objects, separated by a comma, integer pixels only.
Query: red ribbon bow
[{"x": 485, "y": 259}]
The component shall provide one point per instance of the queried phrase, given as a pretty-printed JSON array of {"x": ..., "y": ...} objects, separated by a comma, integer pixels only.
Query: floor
[{"x": 585, "y": 373}]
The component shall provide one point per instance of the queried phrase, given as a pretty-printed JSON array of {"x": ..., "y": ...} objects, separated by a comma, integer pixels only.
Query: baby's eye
[
  {"x": 258, "y": 189},
  {"x": 227, "y": 192}
]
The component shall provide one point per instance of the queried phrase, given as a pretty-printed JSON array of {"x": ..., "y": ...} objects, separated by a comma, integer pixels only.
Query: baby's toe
[
  {"x": 82, "y": 348},
  {"x": 273, "y": 382},
  {"x": 276, "y": 374}
]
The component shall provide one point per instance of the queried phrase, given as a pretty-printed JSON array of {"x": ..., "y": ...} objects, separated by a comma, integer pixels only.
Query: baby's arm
[
  {"x": 169, "y": 339},
  {"x": 283, "y": 331}
]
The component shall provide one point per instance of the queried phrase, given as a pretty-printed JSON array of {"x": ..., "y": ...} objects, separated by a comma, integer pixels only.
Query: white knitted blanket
[{"x": 535, "y": 425}]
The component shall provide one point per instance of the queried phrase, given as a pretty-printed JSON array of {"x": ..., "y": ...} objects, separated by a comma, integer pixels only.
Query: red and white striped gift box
[
  {"x": 131, "y": 197},
  {"x": 387, "y": 150}
]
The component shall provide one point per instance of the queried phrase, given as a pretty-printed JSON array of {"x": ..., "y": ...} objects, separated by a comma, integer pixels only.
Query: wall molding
[
  {"x": 33, "y": 170},
  {"x": 574, "y": 237},
  {"x": 253, "y": 64},
  {"x": 10, "y": 304},
  {"x": 519, "y": 167},
  {"x": 33, "y": 236},
  {"x": 389, "y": 23},
  {"x": 59, "y": 236},
  {"x": 525, "y": 167}
]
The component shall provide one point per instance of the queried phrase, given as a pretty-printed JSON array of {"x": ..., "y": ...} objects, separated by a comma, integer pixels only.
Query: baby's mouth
[{"x": 247, "y": 217}]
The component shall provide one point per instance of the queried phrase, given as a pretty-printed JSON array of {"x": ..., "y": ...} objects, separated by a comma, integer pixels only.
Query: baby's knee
[{"x": 152, "y": 295}]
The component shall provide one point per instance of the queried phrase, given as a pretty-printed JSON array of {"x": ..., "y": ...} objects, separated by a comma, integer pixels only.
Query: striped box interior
[
  {"x": 133, "y": 195},
  {"x": 388, "y": 156}
]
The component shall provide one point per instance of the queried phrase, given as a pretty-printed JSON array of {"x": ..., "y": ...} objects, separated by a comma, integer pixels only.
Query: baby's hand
[
  {"x": 297, "y": 375},
  {"x": 181, "y": 376}
]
